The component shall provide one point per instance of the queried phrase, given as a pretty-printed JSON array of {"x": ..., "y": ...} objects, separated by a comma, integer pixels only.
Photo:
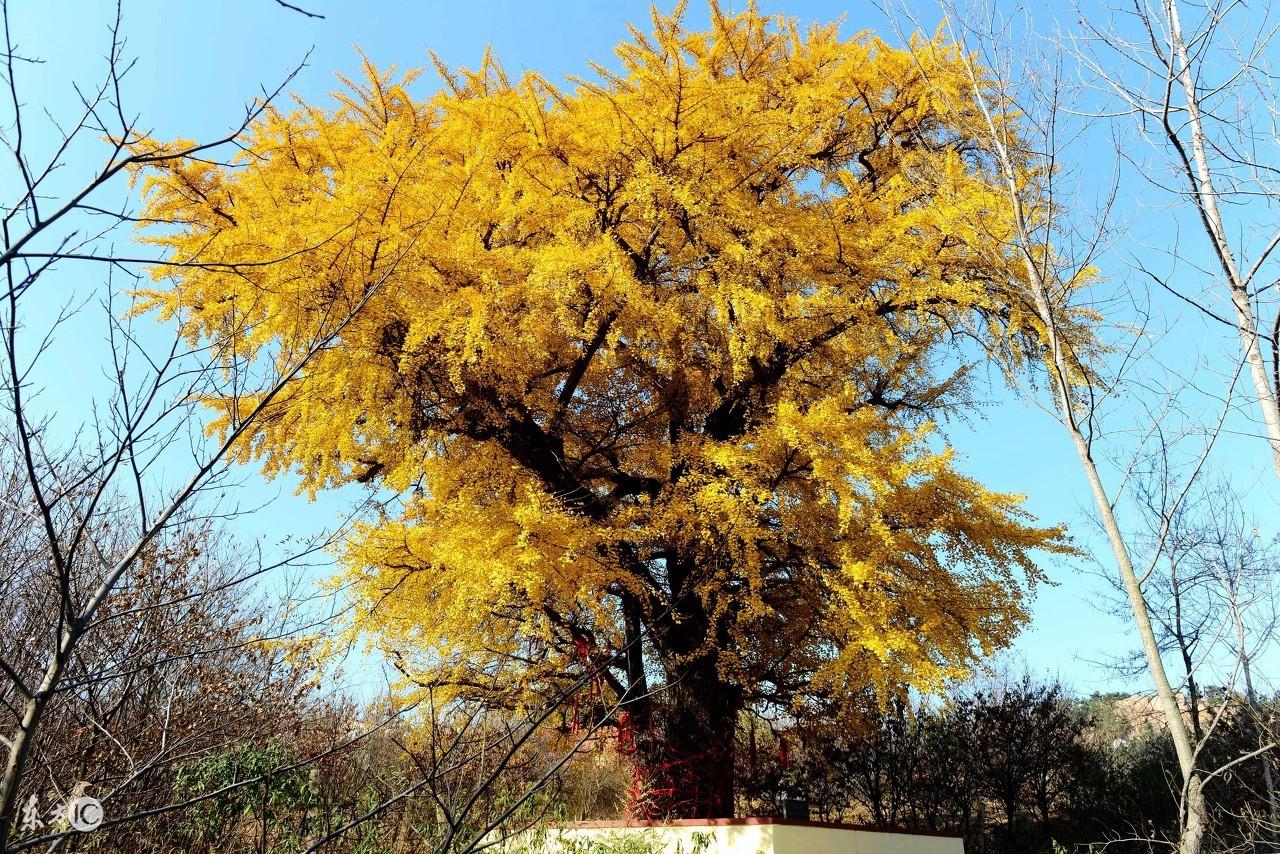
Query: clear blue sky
[{"x": 198, "y": 63}]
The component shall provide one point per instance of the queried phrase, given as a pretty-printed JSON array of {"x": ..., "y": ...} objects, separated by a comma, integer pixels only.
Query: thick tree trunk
[
  {"x": 685, "y": 733},
  {"x": 685, "y": 762}
]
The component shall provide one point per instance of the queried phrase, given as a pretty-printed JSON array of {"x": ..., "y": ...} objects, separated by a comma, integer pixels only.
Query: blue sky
[{"x": 197, "y": 64}]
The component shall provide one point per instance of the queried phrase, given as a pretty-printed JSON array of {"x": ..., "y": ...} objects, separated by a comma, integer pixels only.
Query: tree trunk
[
  {"x": 1062, "y": 377},
  {"x": 1195, "y": 816},
  {"x": 21, "y": 742},
  {"x": 1200, "y": 176},
  {"x": 1188, "y": 662},
  {"x": 686, "y": 760}
]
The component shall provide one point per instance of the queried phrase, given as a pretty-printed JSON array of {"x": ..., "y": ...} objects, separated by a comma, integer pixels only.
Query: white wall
[{"x": 739, "y": 838}]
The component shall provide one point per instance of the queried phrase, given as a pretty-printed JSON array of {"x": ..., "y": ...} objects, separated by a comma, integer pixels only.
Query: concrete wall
[
  {"x": 744, "y": 836},
  {"x": 790, "y": 839}
]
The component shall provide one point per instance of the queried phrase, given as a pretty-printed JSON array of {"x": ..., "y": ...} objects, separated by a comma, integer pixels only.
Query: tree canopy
[{"x": 650, "y": 360}]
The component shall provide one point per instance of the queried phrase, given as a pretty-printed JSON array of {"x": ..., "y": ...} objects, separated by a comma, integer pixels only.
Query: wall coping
[{"x": 766, "y": 820}]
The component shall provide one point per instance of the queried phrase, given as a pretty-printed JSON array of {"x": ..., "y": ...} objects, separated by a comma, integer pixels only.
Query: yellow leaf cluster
[{"x": 665, "y": 343}]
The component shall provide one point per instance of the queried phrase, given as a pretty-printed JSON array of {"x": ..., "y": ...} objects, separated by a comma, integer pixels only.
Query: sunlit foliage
[{"x": 663, "y": 348}]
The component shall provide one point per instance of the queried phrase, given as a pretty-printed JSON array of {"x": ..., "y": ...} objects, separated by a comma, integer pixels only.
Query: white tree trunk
[
  {"x": 1200, "y": 176},
  {"x": 1061, "y": 373}
]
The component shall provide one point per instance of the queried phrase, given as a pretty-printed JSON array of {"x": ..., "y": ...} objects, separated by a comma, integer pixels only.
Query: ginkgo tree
[{"x": 655, "y": 376}]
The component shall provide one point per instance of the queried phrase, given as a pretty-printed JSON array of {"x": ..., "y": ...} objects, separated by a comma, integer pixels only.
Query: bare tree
[
  {"x": 1212, "y": 601},
  {"x": 489, "y": 774},
  {"x": 1200, "y": 90},
  {"x": 1022, "y": 106},
  {"x": 175, "y": 667},
  {"x": 1225, "y": 545},
  {"x": 100, "y": 509}
]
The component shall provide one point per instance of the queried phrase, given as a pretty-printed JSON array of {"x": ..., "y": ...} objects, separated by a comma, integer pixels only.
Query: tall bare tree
[
  {"x": 1021, "y": 98},
  {"x": 1196, "y": 82}
]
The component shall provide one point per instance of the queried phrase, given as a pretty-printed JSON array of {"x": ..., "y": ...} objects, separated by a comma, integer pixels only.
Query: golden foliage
[{"x": 668, "y": 342}]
